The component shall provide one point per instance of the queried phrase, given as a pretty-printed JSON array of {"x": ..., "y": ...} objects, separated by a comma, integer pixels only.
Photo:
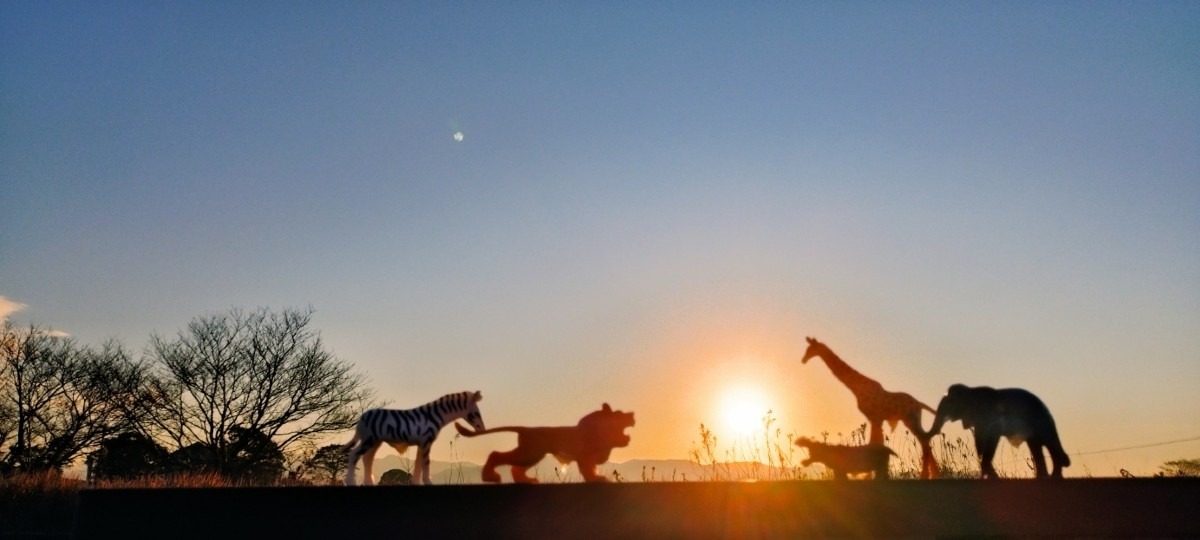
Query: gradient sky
[{"x": 651, "y": 206}]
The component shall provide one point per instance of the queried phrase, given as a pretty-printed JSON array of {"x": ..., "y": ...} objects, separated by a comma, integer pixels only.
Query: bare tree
[
  {"x": 327, "y": 464},
  {"x": 262, "y": 371},
  {"x": 60, "y": 399}
]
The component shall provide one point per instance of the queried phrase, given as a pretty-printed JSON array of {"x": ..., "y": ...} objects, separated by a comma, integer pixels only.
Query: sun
[{"x": 742, "y": 410}]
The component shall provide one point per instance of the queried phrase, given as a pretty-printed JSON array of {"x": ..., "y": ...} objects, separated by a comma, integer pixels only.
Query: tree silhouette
[
  {"x": 193, "y": 458},
  {"x": 1180, "y": 467},
  {"x": 253, "y": 457},
  {"x": 327, "y": 464},
  {"x": 262, "y": 372},
  {"x": 58, "y": 399},
  {"x": 128, "y": 455}
]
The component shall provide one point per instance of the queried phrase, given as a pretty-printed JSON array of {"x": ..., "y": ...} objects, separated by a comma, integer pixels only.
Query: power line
[{"x": 1164, "y": 443}]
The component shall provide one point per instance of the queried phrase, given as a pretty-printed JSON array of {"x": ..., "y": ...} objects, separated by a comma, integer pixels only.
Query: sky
[{"x": 649, "y": 205}]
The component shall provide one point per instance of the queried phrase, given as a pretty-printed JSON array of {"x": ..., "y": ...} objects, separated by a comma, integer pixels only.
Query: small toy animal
[
  {"x": 844, "y": 460},
  {"x": 587, "y": 443}
]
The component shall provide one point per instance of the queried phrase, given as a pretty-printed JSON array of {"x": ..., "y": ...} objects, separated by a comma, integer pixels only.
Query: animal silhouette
[
  {"x": 878, "y": 404},
  {"x": 588, "y": 443},
  {"x": 1012, "y": 413},
  {"x": 403, "y": 427},
  {"x": 845, "y": 460}
]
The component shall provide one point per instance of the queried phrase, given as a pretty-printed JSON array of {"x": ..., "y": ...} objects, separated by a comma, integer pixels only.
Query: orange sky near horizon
[{"x": 649, "y": 205}]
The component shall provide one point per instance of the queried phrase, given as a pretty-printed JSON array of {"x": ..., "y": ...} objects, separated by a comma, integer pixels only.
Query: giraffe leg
[
  {"x": 876, "y": 432},
  {"x": 929, "y": 466}
]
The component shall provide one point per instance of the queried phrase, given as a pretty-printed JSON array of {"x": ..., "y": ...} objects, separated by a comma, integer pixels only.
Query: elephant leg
[
  {"x": 1039, "y": 458},
  {"x": 1057, "y": 472},
  {"x": 985, "y": 446}
]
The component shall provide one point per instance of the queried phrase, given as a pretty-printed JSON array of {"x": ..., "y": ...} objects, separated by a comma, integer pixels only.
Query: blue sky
[{"x": 650, "y": 204}]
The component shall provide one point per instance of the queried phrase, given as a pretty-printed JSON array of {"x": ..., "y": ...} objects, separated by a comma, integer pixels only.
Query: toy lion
[{"x": 587, "y": 443}]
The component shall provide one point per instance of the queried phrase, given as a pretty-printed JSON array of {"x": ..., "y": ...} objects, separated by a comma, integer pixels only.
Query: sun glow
[{"x": 742, "y": 410}]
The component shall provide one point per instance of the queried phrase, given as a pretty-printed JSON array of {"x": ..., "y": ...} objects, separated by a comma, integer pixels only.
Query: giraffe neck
[{"x": 858, "y": 383}]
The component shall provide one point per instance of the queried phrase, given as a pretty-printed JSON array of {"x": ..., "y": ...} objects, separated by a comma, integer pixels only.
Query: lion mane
[{"x": 588, "y": 443}]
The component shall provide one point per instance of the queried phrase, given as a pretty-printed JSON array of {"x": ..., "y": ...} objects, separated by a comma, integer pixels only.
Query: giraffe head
[{"x": 815, "y": 348}]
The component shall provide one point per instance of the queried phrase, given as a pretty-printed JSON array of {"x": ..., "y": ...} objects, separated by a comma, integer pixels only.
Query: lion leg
[
  {"x": 521, "y": 475},
  {"x": 881, "y": 469},
  {"x": 588, "y": 470},
  {"x": 518, "y": 460},
  {"x": 489, "y": 473}
]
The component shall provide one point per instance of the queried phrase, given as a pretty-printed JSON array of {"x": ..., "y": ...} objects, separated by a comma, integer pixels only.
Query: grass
[
  {"x": 769, "y": 454},
  {"x": 44, "y": 502}
]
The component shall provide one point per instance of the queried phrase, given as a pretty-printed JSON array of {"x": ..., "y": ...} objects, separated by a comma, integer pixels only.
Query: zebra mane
[{"x": 455, "y": 402}]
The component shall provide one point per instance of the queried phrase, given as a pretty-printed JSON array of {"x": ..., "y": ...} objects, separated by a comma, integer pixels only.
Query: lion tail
[{"x": 466, "y": 432}]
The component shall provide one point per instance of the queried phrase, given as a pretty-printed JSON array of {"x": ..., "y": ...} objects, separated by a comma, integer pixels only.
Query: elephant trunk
[{"x": 939, "y": 418}]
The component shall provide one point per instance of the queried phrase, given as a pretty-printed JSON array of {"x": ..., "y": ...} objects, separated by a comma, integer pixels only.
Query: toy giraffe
[{"x": 879, "y": 405}]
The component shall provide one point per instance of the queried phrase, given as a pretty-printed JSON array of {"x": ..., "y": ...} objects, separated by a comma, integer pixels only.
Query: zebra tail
[{"x": 353, "y": 440}]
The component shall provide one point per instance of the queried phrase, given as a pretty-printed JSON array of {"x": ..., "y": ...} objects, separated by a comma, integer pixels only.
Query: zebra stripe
[{"x": 401, "y": 428}]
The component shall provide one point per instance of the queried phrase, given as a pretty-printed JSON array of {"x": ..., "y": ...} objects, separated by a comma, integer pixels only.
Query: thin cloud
[{"x": 8, "y": 307}]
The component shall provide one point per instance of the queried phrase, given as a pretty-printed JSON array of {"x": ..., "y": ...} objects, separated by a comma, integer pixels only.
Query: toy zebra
[{"x": 401, "y": 428}]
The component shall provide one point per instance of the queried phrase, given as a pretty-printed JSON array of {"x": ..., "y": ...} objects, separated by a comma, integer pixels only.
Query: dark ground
[{"x": 1074, "y": 508}]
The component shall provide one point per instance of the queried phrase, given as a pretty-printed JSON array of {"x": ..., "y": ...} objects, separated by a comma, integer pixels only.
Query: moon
[{"x": 458, "y": 136}]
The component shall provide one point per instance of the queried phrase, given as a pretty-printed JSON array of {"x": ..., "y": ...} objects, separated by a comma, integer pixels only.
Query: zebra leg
[
  {"x": 368, "y": 463},
  {"x": 355, "y": 453},
  {"x": 422, "y": 466}
]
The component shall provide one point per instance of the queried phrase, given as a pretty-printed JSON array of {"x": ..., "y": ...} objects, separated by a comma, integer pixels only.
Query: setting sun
[{"x": 742, "y": 410}]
